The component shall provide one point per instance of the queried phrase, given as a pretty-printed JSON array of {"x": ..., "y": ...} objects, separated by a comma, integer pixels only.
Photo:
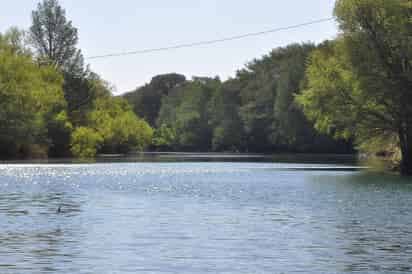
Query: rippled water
[{"x": 216, "y": 217}]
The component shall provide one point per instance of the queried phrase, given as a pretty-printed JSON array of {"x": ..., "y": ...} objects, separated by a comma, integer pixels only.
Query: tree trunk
[{"x": 405, "y": 138}]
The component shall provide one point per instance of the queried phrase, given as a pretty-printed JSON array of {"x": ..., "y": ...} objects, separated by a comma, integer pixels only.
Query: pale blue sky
[{"x": 123, "y": 25}]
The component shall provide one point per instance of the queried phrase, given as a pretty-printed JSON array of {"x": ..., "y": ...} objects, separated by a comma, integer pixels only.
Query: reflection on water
[
  {"x": 371, "y": 222},
  {"x": 163, "y": 157},
  {"x": 187, "y": 217},
  {"x": 33, "y": 236}
]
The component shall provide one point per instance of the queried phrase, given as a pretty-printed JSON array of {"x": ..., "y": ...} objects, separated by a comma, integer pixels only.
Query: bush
[{"x": 85, "y": 142}]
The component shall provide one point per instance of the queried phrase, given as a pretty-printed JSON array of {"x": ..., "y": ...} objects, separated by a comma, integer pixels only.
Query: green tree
[
  {"x": 85, "y": 142},
  {"x": 121, "y": 130},
  {"x": 185, "y": 110},
  {"x": 164, "y": 138},
  {"x": 224, "y": 118},
  {"x": 55, "y": 40},
  {"x": 360, "y": 85},
  {"x": 54, "y": 37},
  {"x": 257, "y": 94},
  {"x": 31, "y": 99},
  {"x": 146, "y": 101}
]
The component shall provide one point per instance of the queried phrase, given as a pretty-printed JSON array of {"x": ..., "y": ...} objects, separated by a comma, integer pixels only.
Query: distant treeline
[
  {"x": 254, "y": 112},
  {"x": 353, "y": 92}
]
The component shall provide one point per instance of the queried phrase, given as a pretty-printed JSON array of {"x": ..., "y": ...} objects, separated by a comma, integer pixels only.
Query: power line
[{"x": 210, "y": 42}]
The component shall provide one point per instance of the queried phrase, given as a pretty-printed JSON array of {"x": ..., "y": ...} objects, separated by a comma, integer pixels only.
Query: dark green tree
[
  {"x": 146, "y": 101},
  {"x": 257, "y": 94},
  {"x": 185, "y": 111},
  {"x": 55, "y": 38},
  {"x": 225, "y": 120}
]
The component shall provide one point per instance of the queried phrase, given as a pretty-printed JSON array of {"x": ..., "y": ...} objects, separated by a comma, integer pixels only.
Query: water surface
[{"x": 192, "y": 216}]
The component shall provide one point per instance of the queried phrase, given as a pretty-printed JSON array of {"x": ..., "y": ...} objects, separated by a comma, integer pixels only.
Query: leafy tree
[
  {"x": 85, "y": 142},
  {"x": 119, "y": 127},
  {"x": 31, "y": 98},
  {"x": 360, "y": 85},
  {"x": 59, "y": 130},
  {"x": 112, "y": 127},
  {"x": 290, "y": 129},
  {"x": 225, "y": 120},
  {"x": 164, "y": 138},
  {"x": 185, "y": 110},
  {"x": 93, "y": 87},
  {"x": 55, "y": 40},
  {"x": 54, "y": 37},
  {"x": 257, "y": 95},
  {"x": 146, "y": 101}
]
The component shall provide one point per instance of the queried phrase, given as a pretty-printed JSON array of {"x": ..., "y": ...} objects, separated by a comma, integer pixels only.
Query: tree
[
  {"x": 146, "y": 101},
  {"x": 31, "y": 99},
  {"x": 228, "y": 134},
  {"x": 54, "y": 37},
  {"x": 85, "y": 142},
  {"x": 164, "y": 138},
  {"x": 361, "y": 84},
  {"x": 185, "y": 111},
  {"x": 121, "y": 130},
  {"x": 255, "y": 111}
]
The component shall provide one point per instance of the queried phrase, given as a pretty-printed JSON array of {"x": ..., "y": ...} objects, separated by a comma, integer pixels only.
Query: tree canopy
[
  {"x": 53, "y": 36},
  {"x": 360, "y": 85},
  {"x": 254, "y": 111},
  {"x": 31, "y": 99}
]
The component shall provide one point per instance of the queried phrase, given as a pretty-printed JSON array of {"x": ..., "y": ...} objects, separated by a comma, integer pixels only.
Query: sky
[{"x": 107, "y": 27}]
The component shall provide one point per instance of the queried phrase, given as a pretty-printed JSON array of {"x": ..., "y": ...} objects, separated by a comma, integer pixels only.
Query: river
[{"x": 204, "y": 214}]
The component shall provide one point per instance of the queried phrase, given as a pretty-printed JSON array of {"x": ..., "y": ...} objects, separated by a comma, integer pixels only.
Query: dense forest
[
  {"x": 350, "y": 93},
  {"x": 253, "y": 112}
]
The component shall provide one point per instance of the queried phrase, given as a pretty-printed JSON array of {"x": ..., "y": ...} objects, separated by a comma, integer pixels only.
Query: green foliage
[
  {"x": 52, "y": 103},
  {"x": 109, "y": 126},
  {"x": 331, "y": 88},
  {"x": 271, "y": 119},
  {"x": 146, "y": 101},
  {"x": 54, "y": 37},
  {"x": 164, "y": 137},
  {"x": 255, "y": 111},
  {"x": 30, "y": 98},
  {"x": 85, "y": 142},
  {"x": 185, "y": 111},
  {"x": 83, "y": 94},
  {"x": 225, "y": 120},
  {"x": 120, "y": 129},
  {"x": 59, "y": 130},
  {"x": 360, "y": 85}
]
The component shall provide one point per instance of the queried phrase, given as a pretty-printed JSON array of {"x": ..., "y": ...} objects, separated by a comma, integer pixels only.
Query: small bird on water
[{"x": 59, "y": 209}]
